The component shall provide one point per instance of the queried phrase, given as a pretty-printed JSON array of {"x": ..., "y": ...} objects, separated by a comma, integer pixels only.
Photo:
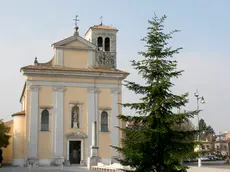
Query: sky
[{"x": 28, "y": 28}]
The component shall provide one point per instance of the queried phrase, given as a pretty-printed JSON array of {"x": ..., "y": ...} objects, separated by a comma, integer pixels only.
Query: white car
[{"x": 204, "y": 158}]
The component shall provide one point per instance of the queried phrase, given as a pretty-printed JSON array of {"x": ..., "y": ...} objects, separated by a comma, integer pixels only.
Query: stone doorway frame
[{"x": 76, "y": 136}]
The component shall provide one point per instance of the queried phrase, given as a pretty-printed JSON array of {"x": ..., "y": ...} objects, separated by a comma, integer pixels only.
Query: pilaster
[
  {"x": 58, "y": 122},
  {"x": 33, "y": 122},
  {"x": 115, "y": 121},
  {"x": 59, "y": 57},
  {"x": 92, "y": 116}
]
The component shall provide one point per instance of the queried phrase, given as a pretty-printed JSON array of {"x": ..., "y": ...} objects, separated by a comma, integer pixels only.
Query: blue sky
[{"x": 28, "y": 29}]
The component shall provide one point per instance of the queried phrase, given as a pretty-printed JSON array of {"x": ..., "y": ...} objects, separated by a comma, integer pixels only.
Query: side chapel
[{"x": 71, "y": 103}]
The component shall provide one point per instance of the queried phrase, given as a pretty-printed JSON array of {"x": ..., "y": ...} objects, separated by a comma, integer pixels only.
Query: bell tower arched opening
[
  {"x": 100, "y": 43},
  {"x": 107, "y": 44}
]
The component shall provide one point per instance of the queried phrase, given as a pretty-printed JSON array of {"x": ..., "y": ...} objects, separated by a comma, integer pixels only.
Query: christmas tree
[{"x": 153, "y": 143}]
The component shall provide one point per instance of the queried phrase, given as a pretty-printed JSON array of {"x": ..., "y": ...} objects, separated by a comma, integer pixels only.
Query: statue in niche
[{"x": 75, "y": 117}]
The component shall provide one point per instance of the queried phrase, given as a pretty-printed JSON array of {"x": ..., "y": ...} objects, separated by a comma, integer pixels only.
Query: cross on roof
[
  {"x": 76, "y": 20},
  {"x": 101, "y": 20}
]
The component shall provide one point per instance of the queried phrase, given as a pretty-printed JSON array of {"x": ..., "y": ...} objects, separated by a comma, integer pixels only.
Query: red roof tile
[
  {"x": 101, "y": 27},
  {"x": 19, "y": 113}
]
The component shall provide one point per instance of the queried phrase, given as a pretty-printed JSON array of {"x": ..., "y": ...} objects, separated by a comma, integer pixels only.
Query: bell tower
[{"x": 105, "y": 37}]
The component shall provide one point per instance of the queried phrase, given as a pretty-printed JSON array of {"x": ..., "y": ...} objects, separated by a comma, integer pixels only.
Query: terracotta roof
[
  {"x": 9, "y": 122},
  {"x": 101, "y": 27},
  {"x": 19, "y": 113},
  {"x": 57, "y": 68}
]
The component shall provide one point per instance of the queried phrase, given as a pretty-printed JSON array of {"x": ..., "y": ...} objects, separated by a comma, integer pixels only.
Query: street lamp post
[{"x": 201, "y": 98}]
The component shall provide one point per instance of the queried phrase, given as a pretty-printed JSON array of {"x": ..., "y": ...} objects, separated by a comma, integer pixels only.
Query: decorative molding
[
  {"x": 43, "y": 107},
  {"x": 77, "y": 135},
  {"x": 75, "y": 48},
  {"x": 58, "y": 89},
  {"x": 34, "y": 87},
  {"x": 115, "y": 90},
  {"x": 76, "y": 103},
  {"x": 14, "y": 115},
  {"x": 73, "y": 84},
  {"x": 74, "y": 38},
  {"x": 92, "y": 90},
  {"x": 84, "y": 41},
  {"x": 85, "y": 74},
  {"x": 105, "y": 108},
  {"x": 82, "y": 147}
]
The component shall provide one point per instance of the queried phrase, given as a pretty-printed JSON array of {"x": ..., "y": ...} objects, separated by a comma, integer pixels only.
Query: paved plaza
[
  {"x": 84, "y": 169},
  {"x": 44, "y": 169}
]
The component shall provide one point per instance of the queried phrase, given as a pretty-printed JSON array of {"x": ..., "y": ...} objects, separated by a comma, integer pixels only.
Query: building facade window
[
  {"x": 75, "y": 117},
  {"x": 104, "y": 122},
  {"x": 45, "y": 120}
]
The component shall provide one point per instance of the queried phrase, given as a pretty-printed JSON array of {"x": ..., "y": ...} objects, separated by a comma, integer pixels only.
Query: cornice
[
  {"x": 86, "y": 74},
  {"x": 73, "y": 38},
  {"x": 17, "y": 115},
  {"x": 75, "y": 48}
]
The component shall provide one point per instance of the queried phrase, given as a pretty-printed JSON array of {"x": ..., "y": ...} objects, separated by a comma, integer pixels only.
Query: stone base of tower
[{"x": 93, "y": 159}]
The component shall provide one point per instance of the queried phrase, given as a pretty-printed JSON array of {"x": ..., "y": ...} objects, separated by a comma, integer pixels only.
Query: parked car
[
  {"x": 204, "y": 158},
  {"x": 212, "y": 157}
]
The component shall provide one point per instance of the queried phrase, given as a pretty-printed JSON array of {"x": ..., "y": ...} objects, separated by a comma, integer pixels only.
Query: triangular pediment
[
  {"x": 74, "y": 41},
  {"x": 78, "y": 135}
]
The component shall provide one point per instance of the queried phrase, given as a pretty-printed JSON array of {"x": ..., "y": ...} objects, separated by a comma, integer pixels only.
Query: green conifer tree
[
  {"x": 154, "y": 145},
  {"x": 4, "y": 135}
]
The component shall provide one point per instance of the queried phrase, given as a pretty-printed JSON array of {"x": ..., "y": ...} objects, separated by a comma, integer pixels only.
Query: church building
[{"x": 69, "y": 105}]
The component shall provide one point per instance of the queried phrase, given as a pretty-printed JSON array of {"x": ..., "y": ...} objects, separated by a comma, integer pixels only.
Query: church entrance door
[{"x": 74, "y": 152}]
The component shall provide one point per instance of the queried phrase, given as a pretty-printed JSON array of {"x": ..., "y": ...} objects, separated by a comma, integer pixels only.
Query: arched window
[
  {"x": 75, "y": 117},
  {"x": 100, "y": 43},
  {"x": 45, "y": 120},
  {"x": 104, "y": 122},
  {"x": 107, "y": 44}
]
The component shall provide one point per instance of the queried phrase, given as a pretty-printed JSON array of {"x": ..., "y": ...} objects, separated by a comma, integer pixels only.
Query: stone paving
[
  {"x": 84, "y": 169},
  {"x": 44, "y": 169}
]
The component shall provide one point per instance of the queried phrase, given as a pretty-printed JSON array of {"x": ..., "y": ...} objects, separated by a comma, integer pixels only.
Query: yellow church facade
[{"x": 71, "y": 103}]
